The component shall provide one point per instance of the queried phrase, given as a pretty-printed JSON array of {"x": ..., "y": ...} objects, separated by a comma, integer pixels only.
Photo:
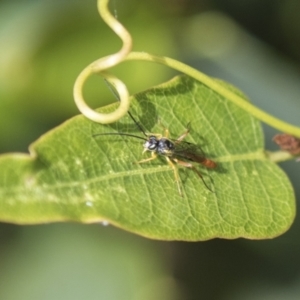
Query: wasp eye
[{"x": 151, "y": 144}]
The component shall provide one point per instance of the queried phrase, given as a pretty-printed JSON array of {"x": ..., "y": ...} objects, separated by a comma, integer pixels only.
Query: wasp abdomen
[{"x": 209, "y": 163}]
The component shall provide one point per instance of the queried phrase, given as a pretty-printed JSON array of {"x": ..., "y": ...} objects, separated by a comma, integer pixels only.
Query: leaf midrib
[{"x": 258, "y": 155}]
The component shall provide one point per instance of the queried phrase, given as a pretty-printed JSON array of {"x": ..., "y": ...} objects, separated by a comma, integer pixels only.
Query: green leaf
[{"x": 73, "y": 176}]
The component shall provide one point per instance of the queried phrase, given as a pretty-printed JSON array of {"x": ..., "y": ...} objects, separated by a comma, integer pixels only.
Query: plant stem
[
  {"x": 214, "y": 85},
  {"x": 104, "y": 63},
  {"x": 279, "y": 156}
]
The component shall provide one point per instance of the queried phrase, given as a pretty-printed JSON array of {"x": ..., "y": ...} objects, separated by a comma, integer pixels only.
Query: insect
[{"x": 175, "y": 151}]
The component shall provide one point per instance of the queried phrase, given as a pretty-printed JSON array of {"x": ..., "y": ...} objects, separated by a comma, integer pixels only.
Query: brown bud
[{"x": 288, "y": 143}]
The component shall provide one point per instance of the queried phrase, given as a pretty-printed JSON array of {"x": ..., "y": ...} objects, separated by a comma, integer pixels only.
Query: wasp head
[{"x": 151, "y": 144}]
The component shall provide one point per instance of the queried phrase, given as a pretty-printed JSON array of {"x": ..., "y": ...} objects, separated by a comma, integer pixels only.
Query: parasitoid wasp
[{"x": 175, "y": 151}]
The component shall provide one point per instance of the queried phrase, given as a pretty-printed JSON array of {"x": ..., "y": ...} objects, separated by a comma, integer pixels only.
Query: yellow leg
[
  {"x": 153, "y": 156},
  {"x": 158, "y": 135},
  {"x": 177, "y": 178},
  {"x": 166, "y": 130},
  {"x": 190, "y": 166},
  {"x": 181, "y": 138}
]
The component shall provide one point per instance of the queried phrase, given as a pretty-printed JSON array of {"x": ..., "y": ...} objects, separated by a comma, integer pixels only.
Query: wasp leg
[
  {"x": 182, "y": 137},
  {"x": 158, "y": 135},
  {"x": 177, "y": 178},
  {"x": 189, "y": 165},
  {"x": 166, "y": 130},
  {"x": 153, "y": 156}
]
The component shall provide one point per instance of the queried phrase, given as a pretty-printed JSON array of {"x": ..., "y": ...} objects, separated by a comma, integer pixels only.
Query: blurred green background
[{"x": 44, "y": 44}]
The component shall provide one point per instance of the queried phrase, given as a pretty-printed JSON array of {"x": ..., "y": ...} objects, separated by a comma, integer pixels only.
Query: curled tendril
[{"x": 99, "y": 66}]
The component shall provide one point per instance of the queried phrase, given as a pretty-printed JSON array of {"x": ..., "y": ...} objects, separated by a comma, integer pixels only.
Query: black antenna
[
  {"x": 121, "y": 133},
  {"x": 113, "y": 90}
]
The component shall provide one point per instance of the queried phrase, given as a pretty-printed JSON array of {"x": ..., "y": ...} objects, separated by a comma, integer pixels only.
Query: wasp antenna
[
  {"x": 137, "y": 123},
  {"x": 122, "y": 134},
  {"x": 113, "y": 90}
]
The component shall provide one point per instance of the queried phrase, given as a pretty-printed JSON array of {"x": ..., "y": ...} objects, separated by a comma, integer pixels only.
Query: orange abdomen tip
[{"x": 209, "y": 164}]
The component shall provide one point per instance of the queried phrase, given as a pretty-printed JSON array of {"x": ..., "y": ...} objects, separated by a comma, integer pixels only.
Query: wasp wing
[
  {"x": 192, "y": 152},
  {"x": 189, "y": 151}
]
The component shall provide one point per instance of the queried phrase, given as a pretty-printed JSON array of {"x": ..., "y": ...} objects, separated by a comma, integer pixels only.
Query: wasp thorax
[{"x": 165, "y": 147}]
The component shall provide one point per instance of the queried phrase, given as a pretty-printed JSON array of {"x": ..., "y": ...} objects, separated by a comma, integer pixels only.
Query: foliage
[{"x": 73, "y": 176}]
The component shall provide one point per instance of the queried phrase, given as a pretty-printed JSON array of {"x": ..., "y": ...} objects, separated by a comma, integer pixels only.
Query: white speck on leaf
[
  {"x": 105, "y": 223},
  {"x": 89, "y": 203}
]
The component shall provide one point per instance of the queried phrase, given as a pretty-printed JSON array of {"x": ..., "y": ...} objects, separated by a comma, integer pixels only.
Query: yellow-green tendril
[
  {"x": 92, "y": 114},
  {"x": 99, "y": 66},
  {"x": 209, "y": 82}
]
